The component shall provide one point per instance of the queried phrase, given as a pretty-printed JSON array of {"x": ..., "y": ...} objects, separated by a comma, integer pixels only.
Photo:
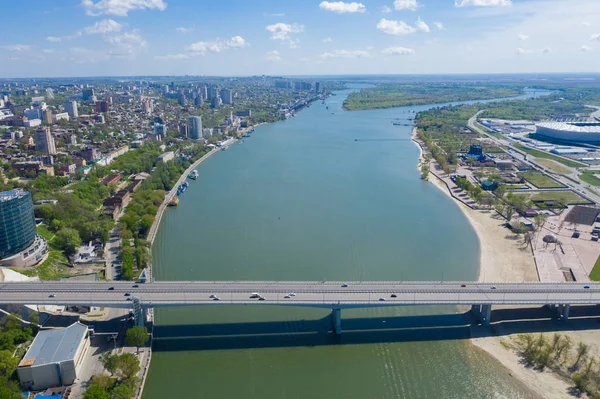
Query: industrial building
[
  {"x": 54, "y": 358},
  {"x": 583, "y": 132}
]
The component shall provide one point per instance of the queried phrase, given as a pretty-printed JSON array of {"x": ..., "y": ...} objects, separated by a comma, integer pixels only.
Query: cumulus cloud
[
  {"x": 203, "y": 48},
  {"x": 56, "y": 39},
  {"x": 585, "y": 23},
  {"x": 341, "y": 8},
  {"x": 284, "y": 32},
  {"x": 103, "y": 27},
  {"x": 585, "y": 48},
  {"x": 345, "y": 54},
  {"x": 406, "y": 5},
  {"x": 16, "y": 47},
  {"x": 127, "y": 41},
  {"x": 522, "y": 37},
  {"x": 438, "y": 25},
  {"x": 422, "y": 26},
  {"x": 482, "y": 3},
  {"x": 522, "y": 51},
  {"x": 120, "y": 7},
  {"x": 385, "y": 10},
  {"x": 396, "y": 28},
  {"x": 273, "y": 56},
  {"x": 327, "y": 40},
  {"x": 183, "y": 29},
  {"x": 398, "y": 51},
  {"x": 595, "y": 37}
]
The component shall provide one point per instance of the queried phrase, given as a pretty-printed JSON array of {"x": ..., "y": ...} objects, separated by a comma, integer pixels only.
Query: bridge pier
[
  {"x": 562, "y": 311},
  {"x": 138, "y": 312},
  {"x": 336, "y": 318},
  {"x": 483, "y": 313},
  {"x": 476, "y": 310}
]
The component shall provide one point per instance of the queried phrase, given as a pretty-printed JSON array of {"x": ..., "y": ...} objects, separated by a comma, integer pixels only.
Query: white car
[
  {"x": 291, "y": 294},
  {"x": 382, "y": 299}
]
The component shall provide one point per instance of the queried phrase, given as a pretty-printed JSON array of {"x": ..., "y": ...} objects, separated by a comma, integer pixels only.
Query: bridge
[{"x": 332, "y": 295}]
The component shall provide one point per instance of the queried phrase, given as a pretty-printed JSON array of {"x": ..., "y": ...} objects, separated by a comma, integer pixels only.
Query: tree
[
  {"x": 126, "y": 389},
  {"x": 129, "y": 365},
  {"x": 105, "y": 381},
  {"x": 110, "y": 362},
  {"x": 136, "y": 336},
  {"x": 68, "y": 240},
  {"x": 8, "y": 363},
  {"x": 509, "y": 212},
  {"x": 539, "y": 221},
  {"x": 582, "y": 350},
  {"x": 96, "y": 392},
  {"x": 34, "y": 317},
  {"x": 424, "y": 171}
]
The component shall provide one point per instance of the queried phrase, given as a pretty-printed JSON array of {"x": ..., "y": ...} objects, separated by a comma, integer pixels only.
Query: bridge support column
[
  {"x": 565, "y": 312},
  {"x": 476, "y": 310},
  {"x": 138, "y": 312},
  {"x": 336, "y": 318},
  {"x": 486, "y": 315}
]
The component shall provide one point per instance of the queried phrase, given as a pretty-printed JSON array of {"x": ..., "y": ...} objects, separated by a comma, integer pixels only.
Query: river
[{"x": 326, "y": 195}]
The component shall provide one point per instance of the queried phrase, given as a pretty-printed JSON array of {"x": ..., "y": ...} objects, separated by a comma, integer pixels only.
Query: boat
[
  {"x": 193, "y": 175},
  {"x": 182, "y": 188}
]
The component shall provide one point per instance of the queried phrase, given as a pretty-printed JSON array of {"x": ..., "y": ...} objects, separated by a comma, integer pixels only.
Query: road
[
  {"x": 314, "y": 294},
  {"x": 572, "y": 182}
]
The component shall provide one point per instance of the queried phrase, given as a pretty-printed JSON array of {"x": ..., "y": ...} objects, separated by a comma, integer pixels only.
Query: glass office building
[{"x": 17, "y": 222}]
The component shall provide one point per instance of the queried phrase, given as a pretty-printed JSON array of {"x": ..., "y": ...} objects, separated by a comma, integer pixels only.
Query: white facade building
[{"x": 195, "y": 127}]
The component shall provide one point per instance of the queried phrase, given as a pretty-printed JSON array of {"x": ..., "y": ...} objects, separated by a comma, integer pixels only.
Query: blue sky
[{"x": 242, "y": 37}]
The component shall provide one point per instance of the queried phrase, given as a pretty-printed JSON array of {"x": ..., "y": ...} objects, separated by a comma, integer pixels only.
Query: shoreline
[{"x": 494, "y": 258}]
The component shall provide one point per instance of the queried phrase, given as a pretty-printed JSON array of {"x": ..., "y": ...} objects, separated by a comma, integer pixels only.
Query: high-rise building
[
  {"x": 204, "y": 92},
  {"x": 44, "y": 142},
  {"x": 71, "y": 108},
  {"x": 213, "y": 91},
  {"x": 181, "y": 99},
  {"x": 183, "y": 130},
  {"x": 195, "y": 127},
  {"x": 283, "y": 84},
  {"x": 101, "y": 106},
  {"x": 47, "y": 117},
  {"x": 87, "y": 94},
  {"x": 160, "y": 129},
  {"x": 33, "y": 113},
  {"x": 227, "y": 96},
  {"x": 215, "y": 102},
  {"x": 165, "y": 89},
  {"x": 317, "y": 87},
  {"x": 198, "y": 100},
  {"x": 17, "y": 222}
]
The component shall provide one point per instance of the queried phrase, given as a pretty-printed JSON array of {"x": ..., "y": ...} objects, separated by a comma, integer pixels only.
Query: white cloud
[
  {"x": 202, "y": 48},
  {"x": 398, "y": 51},
  {"x": 585, "y": 48},
  {"x": 595, "y": 37},
  {"x": 385, "y": 10},
  {"x": 482, "y": 3},
  {"x": 128, "y": 40},
  {"x": 585, "y": 23},
  {"x": 283, "y": 32},
  {"x": 275, "y": 14},
  {"x": 273, "y": 56},
  {"x": 522, "y": 37},
  {"x": 422, "y": 26},
  {"x": 55, "y": 39},
  {"x": 345, "y": 54},
  {"x": 438, "y": 25},
  {"x": 327, "y": 40},
  {"x": 48, "y": 51},
  {"x": 120, "y": 7},
  {"x": 341, "y": 7},
  {"x": 16, "y": 47},
  {"x": 395, "y": 27},
  {"x": 406, "y": 5},
  {"x": 103, "y": 27},
  {"x": 522, "y": 51},
  {"x": 184, "y": 29}
]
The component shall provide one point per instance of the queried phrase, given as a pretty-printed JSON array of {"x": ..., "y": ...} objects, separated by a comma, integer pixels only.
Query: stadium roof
[{"x": 579, "y": 127}]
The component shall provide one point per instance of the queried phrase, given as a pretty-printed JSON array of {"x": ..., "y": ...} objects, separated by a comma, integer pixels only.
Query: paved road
[{"x": 317, "y": 294}]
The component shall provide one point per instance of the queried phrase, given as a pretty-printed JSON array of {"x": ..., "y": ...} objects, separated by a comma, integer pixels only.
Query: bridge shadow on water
[{"x": 302, "y": 333}]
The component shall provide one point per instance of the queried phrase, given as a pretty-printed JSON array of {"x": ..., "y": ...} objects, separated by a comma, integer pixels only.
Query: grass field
[
  {"x": 547, "y": 155},
  {"x": 553, "y": 166},
  {"x": 515, "y": 186},
  {"x": 595, "y": 274},
  {"x": 565, "y": 197},
  {"x": 55, "y": 266},
  {"x": 590, "y": 178},
  {"x": 539, "y": 180}
]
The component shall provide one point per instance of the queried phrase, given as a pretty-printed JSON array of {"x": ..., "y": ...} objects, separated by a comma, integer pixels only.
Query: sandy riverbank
[{"x": 503, "y": 258}]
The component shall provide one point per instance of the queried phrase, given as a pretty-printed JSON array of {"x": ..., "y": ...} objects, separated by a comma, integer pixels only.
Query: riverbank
[{"x": 503, "y": 258}]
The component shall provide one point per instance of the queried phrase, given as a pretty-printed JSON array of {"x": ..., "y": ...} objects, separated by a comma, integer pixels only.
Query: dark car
[
  {"x": 394, "y": 296},
  {"x": 135, "y": 286},
  {"x": 463, "y": 285},
  {"x": 111, "y": 288},
  {"x": 127, "y": 294},
  {"x": 586, "y": 287},
  {"x": 261, "y": 299}
]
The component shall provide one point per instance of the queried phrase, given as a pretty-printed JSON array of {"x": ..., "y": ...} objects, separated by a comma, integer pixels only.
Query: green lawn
[
  {"x": 565, "y": 197},
  {"x": 595, "y": 274},
  {"x": 590, "y": 178},
  {"x": 515, "y": 186},
  {"x": 547, "y": 155},
  {"x": 539, "y": 180}
]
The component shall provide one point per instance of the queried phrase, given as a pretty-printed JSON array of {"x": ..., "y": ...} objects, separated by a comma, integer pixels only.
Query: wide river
[{"x": 326, "y": 195}]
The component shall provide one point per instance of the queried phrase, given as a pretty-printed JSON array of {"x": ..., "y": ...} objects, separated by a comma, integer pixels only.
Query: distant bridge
[{"x": 331, "y": 295}]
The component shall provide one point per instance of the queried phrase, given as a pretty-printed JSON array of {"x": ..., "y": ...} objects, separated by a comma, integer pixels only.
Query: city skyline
[{"x": 157, "y": 37}]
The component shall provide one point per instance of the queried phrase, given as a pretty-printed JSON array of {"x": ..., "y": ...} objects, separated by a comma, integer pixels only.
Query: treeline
[
  {"x": 11, "y": 336},
  {"x": 121, "y": 382},
  {"x": 562, "y": 355}
]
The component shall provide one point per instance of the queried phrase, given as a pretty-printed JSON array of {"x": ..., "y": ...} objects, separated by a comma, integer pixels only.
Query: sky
[{"x": 63, "y": 38}]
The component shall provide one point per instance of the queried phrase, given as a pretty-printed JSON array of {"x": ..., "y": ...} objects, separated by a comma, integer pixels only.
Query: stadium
[{"x": 578, "y": 132}]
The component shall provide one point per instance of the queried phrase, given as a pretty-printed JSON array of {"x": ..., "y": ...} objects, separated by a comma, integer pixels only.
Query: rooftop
[
  {"x": 579, "y": 127},
  {"x": 54, "y": 346},
  {"x": 10, "y": 195}
]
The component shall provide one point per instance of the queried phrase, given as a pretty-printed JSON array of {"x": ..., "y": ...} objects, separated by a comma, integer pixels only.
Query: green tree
[
  {"x": 126, "y": 389},
  {"x": 105, "y": 381},
  {"x": 96, "y": 392},
  {"x": 34, "y": 317},
  {"x": 582, "y": 350},
  {"x": 110, "y": 362},
  {"x": 129, "y": 365},
  {"x": 424, "y": 171},
  {"x": 9, "y": 389},
  {"x": 509, "y": 212},
  {"x": 136, "y": 336},
  {"x": 8, "y": 363},
  {"x": 68, "y": 240}
]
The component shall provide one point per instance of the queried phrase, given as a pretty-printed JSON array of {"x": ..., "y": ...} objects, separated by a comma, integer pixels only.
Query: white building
[
  {"x": 54, "y": 358},
  {"x": 32, "y": 123},
  {"x": 207, "y": 133},
  {"x": 61, "y": 116},
  {"x": 195, "y": 127},
  {"x": 166, "y": 157}
]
